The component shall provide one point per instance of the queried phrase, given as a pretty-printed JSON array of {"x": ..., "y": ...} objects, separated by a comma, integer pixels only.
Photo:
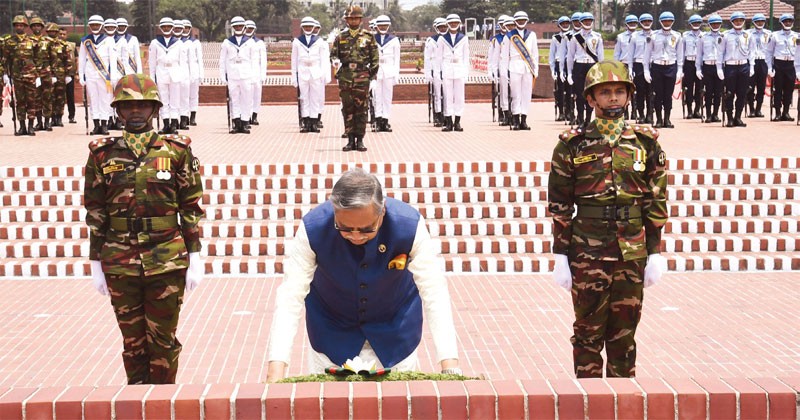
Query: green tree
[
  {"x": 421, "y": 17},
  {"x": 209, "y": 16}
]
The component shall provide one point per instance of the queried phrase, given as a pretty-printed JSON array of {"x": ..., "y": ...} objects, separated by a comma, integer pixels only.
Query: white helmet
[
  {"x": 521, "y": 16},
  {"x": 187, "y": 27},
  {"x": 453, "y": 18},
  {"x": 439, "y": 22},
  {"x": 177, "y": 28},
  {"x": 381, "y": 21},
  {"x": 317, "y": 25},
  {"x": 122, "y": 25},
  {"x": 165, "y": 21},
  {"x": 94, "y": 20},
  {"x": 110, "y": 26},
  {"x": 307, "y": 22},
  {"x": 249, "y": 27},
  {"x": 238, "y": 21}
]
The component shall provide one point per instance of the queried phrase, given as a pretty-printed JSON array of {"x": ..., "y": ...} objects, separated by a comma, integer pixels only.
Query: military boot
[
  {"x": 192, "y": 117},
  {"x": 164, "y": 127},
  {"x": 457, "y": 124},
  {"x": 31, "y": 131},
  {"x": 730, "y": 122},
  {"x": 103, "y": 127},
  {"x": 96, "y": 127},
  {"x": 319, "y": 122},
  {"x": 351, "y": 143},
  {"x": 515, "y": 122},
  {"x": 504, "y": 118},
  {"x": 313, "y": 126},
  {"x": 659, "y": 122},
  {"x": 737, "y": 121},
  {"x": 254, "y": 119},
  {"x": 360, "y": 144},
  {"x": 448, "y": 124},
  {"x": 758, "y": 110},
  {"x": 667, "y": 122},
  {"x": 39, "y": 125},
  {"x": 23, "y": 131},
  {"x": 386, "y": 127},
  {"x": 184, "y": 124},
  {"x": 59, "y": 121},
  {"x": 173, "y": 126},
  {"x": 234, "y": 126},
  {"x": 785, "y": 116},
  {"x": 523, "y": 122},
  {"x": 751, "y": 110},
  {"x": 437, "y": 119},
  {"x": 244, "y": 128},
  {"x": 304, "y": 128},
  {"x": 47, "y": 124},
  {"x": 110, "y": 124}
]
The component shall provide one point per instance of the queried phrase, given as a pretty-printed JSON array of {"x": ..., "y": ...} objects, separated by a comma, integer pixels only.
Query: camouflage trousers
[
  {"x": 607, "y": 299},
  {"x": 147, "y": 310},
  {"x": 354, "y": 106},
  {"x": 59, "y": 97},
  {"x": 25, "y": 94},
  {"x": 44, "y": 97}
]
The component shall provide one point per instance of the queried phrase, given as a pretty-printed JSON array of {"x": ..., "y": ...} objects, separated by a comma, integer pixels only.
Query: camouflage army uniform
[
  {"x": 618, "y": 183},
  {"x": 62, "y": 67},
  {"x": 142, "y": 196},
  {"x": 72, "y": 68},
  {"x": 21, "y": 60},
  {"x": 46, "y": 58},
  {"x": 2, "y": 72},
  {"x": 358, "y": 53}
]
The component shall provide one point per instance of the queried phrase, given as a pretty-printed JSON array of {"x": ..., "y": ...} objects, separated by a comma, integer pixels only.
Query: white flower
[{"x": 358, "y": 365}]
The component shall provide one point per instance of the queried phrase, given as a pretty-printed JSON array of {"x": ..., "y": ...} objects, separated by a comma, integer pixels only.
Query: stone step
[
  {"x": 76, "y": 267},
  {"x": 493, "y": 211},
  {"x": 452, "y": 227},
  {"x": 481, "y": 167},
  {"x": 416, "y": 196},
  {"x": 501, "y": 180},
  {"x": 508, "y": 244}
]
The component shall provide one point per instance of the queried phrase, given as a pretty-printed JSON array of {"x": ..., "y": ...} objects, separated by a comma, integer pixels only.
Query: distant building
[{"x": 382, "y": 4}]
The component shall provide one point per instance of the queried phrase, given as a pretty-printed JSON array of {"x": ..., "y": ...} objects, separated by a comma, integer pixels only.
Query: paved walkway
[{"x": 60, "y": 332}]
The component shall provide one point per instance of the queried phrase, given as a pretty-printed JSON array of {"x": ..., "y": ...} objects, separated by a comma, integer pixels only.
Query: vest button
[{"x": 363, "y": 285}]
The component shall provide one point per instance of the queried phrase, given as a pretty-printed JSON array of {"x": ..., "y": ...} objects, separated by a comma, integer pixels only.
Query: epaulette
[
  {"x": 102, "y": 142},
  {"x": 645, "y": 131},
  {"x": 178, "y": 139},
  {"x": 570, "y": 134}
]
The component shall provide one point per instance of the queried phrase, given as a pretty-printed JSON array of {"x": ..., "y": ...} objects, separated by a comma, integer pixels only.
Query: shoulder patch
[
  {"x": 645, "y": 131},
  {"x": 570, "y": 134},
  {"x": 98, "y": 144},
  {"x": 178, "y": 139}
]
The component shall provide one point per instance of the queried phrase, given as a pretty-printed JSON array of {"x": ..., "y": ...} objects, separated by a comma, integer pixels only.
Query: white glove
[
  {"x": 648, "y": 77},
  {"x": 82, "y": 81},
  {"x": 721, "y": 74},
  {"x": 67, "y": 80},
  {"x": 631, "y": 75},
  {"x": 99, "y": 278},
  {"x": 679, "y": 77},
  {"x": 294, "y": 82},
  {"x": 195, "y": 272},
  {"x": 655, "y": 267},
  {"x": 53, "y": 80},
  {"x": 699, "y": 75},
  {"x": 555, "y": 75},
  {"x": 569, "y": 79},
  {"x": 752, "y": 71},
  {"x": 38, "y": 82},
  {"x": 336, "y": 64},
  {"x": 536, "y": 74},
  {"x": 5, "y": 79},
  {"x": 771, "y": 73},
  {"x": 561, "y": 272},
  {"x": 563, "y": 78},
  {"x": 373, "y": 84}
]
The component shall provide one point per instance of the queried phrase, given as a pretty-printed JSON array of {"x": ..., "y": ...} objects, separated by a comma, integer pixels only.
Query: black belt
[
  {"x": 610, "y": 212},
  {"x": 144, "y": 224}
]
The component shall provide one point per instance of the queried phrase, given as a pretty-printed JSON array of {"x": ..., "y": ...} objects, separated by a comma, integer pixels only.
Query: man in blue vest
[{"x": 365, "y": 269}]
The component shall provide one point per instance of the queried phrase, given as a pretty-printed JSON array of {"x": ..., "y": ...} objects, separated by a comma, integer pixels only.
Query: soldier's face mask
[
  {"x": 95, "y": 28},
  {"x": 121, "y": 29},
  {"x": 666, "y": 24},
  {"x": 308, "y": 29},
  {"x": 137, "y": 115},
  {"x": 383, "y": 29},
  {"x": 787, "y": 24},
  {"x": 166, "y": 30},
  {"x": 737, "y": 23}
]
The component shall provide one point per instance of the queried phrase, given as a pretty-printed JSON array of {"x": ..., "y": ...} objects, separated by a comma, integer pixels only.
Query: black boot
[
  {"x": 351, "y": 143},
  {"x": 758, "y": 110},
  {"x": 184, "y": 124},
  {"x": 785, "y": 116},
  {"x": 47, "y": 124},
  {"x": 505, "y": 119},
  {"x": 730, "y": 122},
  {"x": 39, "y": 125},
  {"x": 319, "y": 122},
  {"x": 244, "y": 128},
  {"x": 304, "y": 128},
  {"x": 737, "y": 121},
  {"x": 448, "y": 124},
  {"x": 23, "y": 131},
  {"x": 344, "y": 135},
  {"x": 667, "y": 122},
  {"x": 173, "y": 126},
  {"x": 659, "y": 122},
  {"x": 386, "y": 127},
  {"x": 437, "y": 119},
  {"x": 71, "y": 119},
  {"x": 515, "y": 122},
  {"x": 312, "y": 125},
  {"x": 752, "y": 110},
  {"x": 523, "y": 122},
  {"x": 234, "y": 126},
  {"x": 164, "y": 127},
  {"x": 192, "y": 117},
  {"x": 96, "y": 129},
  {"x": 103, "y": 127},
  {"x": 31, "y": 131},
  {"x": 110, "y": 124},
  {"x": 689, "y": 113},
  {"x": 59, "y": 121},
  {"x": 360, "y": 144},
  {"x": 457, "y": 124},
  {"x": 254, "y": 119}
]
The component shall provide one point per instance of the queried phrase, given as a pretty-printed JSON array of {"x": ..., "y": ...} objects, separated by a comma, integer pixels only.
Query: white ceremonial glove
[
  {"x": 555, "y": 75},
  {"x": 679, "y": 76},
  {"x": 561, "y": 272},
  {"x": 752, "y": 71},
  {"x": 336, "y": 63},
  {"x": 569, "y": 79},
  {"x": 721, "y": 74},
  {"x": 82, "y": 81},
  {"x": 53, "y": 80},
  {"x": 648, "y": 77},
  {"x": 5, "y": 79},
  {"x": 699, "y": 75},
  {"x": 294, "y": 82},
  {"x": 67, "y": 80},
  {"x": 771, "y": 73},
  {"x": 536, "y": 74},
  {"x": 563, "y": 78},
  {"x": 38, "y": 82},
  {"x": 195, "y": 272},
  {"x": 99, "y": 278},
  {"x": 373, "y": 84},
  {"x": 655, "y": 267},
  {"x": 630, "y": 74}
]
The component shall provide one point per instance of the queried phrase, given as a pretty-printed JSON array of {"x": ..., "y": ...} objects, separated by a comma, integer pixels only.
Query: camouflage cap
[
  {"x": 136, "y": 87},
  {"x": 606, "y": 72},
  {"x": 36, "y": 21},
  {"x": 20, "y": 19},
  {"x": 52, "y": 27},
  {"x": 353, "y": 12}
]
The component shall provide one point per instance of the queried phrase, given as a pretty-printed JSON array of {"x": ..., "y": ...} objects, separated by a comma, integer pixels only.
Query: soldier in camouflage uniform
[
  {"x": 20, "y": 56},
  {"x": 46, "y": 59},
  {"x": 606, "y": 254},
  {"x": 69, "y": 80},
  {"x": 3, "y": 75},
  {"x": 355, "y": 56},
  {"x": 141, "y": 252},
  {"x": 63, "y": 66}
]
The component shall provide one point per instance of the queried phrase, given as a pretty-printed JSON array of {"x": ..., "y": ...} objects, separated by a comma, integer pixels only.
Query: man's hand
[
  {"x": 99, "y": 278},
  {"x": 679, "y": 76},
  {"x": 655, "y": 267},
  {"x": 275, "y": 371},
  {"x": 373, "y": 84},
  {"x": 752, "y": 71},
  {"x": 561, "y": 272},
  {"x": 720, "y": 74},
  {"x": 569, "y": 79},
  {"x": 5, "y": 79},
  {"x": 38, "y": 82},
  {"x": 648, "y": 77},
  {"x": 195, "y": 272},
  {"x": 554, "y": 74},
  {"x": 699, "y": 75},
  {"x": 771, "y": 73}
]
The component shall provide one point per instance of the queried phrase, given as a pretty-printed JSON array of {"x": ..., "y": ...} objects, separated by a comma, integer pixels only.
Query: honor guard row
[
  {"x": 243, "y": 68},
  {"x": 447, "y": 67},
  {"x": 311, "y": 71},
  {"x": 39, "y": 69}
]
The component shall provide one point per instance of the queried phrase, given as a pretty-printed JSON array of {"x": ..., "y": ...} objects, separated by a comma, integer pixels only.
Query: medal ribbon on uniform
[
  {"x": 98, "y": 63},
  {"x": 163, "y": 166},
  {"x": 638, "y": 160},
  {"x": 522, "y": 49}
]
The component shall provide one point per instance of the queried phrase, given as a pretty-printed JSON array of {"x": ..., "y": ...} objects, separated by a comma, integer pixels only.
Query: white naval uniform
[
  {"x": 452, "y": 57},
  {"x": 495, "y": 47},
  {"x": 424, "y": 265},
  {"x": 132, "y": 57},
  {"x": 430, "y": 64},
  {"x": 196, "y": 72},
  {"x": 388, "y": 72},
  {"x": 186, "y": 83},
  {"x": 166, "y": 56},
  {"x": 309, "y": 57},
  {"x": 260, "y": 76},
  {"x": 326, "y": 75},
  {"x": 236, "y": 60},
  {"x": 521, "y": 76},
  {"x": 121, "y": 47},
  {"x": 98, "y": 90}
]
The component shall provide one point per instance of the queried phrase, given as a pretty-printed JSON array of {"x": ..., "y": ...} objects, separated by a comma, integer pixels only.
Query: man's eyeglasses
[{"x": 371, "y": 229}]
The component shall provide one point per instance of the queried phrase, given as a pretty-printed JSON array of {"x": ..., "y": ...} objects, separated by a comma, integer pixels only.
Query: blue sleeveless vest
[{"x": 355, "y": 297}]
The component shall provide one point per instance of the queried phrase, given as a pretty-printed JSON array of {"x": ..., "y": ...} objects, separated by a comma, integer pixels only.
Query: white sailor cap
[
  {"x": 237, "y": 20},
  {"x": 166, "y": 21},
  {"x": 122, "y": 22},
  {"x": 95, "y": 19}
]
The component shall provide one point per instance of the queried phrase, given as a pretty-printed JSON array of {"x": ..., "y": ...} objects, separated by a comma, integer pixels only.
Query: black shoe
[
  {"x": 22, "y": 130},
  {"x": 103, "y": 127},
  {"x": 448, "y": 124},
  {"x": 1, "y": 124},
  {"x": 730, "y": 122},
  {"x": 96, "y": 128},
  {"x": 234, "y": 126},
  {"x": 696, "y": 115},
  {"x": 344, "y": 135},
  {"x": 386, "y": 126},
  {"x": 173, "y": 126},
  {"x": 39, "y": 126},
  {"x": 739, "y": 123},
  {"x": 759, "y": 114},
  {"x": 191, "y": 118},
  {"x": 31, "y": 131},
  {"x": 351, "y": 143},
  {"x": 437, "y": 119},
  {"x": 254, "y": 119},
  {"x": 515, "y": 122},
  {"x": 360, "y": 144},
  {"x": 164, "y": 127},
  {"x": 72, "y": 120},
  {"x": 786, "y": 117},
  {"x": 184, "y": 124},
  {"x": 47, "y": 125},
  {"x": 668, "y": 123},
  {"x": 505, "y": 118},
  {"x": 457, "y": 124},
  {"x": 243, "y": 127},
  {"x": 319, "y": 122},
  {"x": 59, "y": 121},
  {"x": 304, "y": 128},
  {"x": 312, "y": 125},
  {"x": 523, "y": 122}
]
